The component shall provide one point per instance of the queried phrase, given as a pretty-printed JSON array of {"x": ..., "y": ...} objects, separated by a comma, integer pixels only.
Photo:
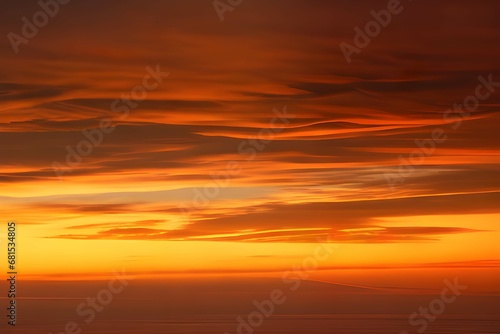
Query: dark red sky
[{"x": 325, "y": 172}]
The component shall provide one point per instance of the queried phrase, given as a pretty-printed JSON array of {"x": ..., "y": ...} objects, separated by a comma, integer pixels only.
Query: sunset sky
[{"x": 323, "y": 174}]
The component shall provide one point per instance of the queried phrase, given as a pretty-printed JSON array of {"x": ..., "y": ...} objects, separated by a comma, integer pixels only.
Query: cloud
[{"x": 322, "y": 173}]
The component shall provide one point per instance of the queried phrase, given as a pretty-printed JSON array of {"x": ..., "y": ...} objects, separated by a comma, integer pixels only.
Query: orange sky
[{"x": 322, "y": 174}]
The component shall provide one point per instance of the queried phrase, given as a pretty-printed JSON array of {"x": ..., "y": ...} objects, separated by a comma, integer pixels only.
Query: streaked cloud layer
[{"x": 323, "y": 173}]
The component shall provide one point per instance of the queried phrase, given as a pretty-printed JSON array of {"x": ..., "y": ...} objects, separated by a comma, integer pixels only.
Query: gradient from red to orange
[{"x": 323, "y": 174}]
